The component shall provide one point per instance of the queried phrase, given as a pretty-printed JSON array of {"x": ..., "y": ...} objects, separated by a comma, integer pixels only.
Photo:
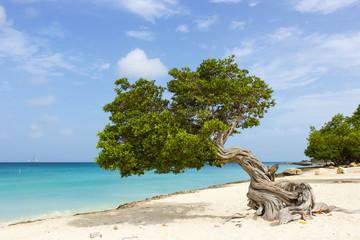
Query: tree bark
[{"x": 281, "y": 200}]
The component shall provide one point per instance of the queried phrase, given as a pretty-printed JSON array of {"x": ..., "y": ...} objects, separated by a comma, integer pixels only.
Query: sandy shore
[{"x": 215, "y": 213}]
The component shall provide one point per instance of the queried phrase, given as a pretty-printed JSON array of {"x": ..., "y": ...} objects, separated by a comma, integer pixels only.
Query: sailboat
[{"x": 33, "y": 160}]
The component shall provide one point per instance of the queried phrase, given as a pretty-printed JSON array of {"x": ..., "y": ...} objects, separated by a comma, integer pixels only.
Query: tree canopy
[
  {"x": 337, "y": 141},
  {"x": 149, "y": 132}
]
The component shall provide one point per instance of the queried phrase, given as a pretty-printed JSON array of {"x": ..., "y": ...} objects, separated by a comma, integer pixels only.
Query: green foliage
[
  {"x": 354, "y": 120},
  {"x": 338, "y": 140},
  {"x": 148, "y": 132}
]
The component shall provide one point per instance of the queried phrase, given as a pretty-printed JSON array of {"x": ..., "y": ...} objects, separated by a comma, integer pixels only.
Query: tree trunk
[{"x": 281, "y": 200}]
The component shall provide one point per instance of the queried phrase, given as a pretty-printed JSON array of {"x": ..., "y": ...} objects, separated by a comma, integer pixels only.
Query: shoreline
[
  {"x": 215, "y": 212},
  {"x": 133, "y": 203},
  {"x": 83, "y": 209},
  {"x": 157, "y": 197}
]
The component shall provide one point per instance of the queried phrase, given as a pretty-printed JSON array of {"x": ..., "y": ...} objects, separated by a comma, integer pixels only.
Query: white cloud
[
  {"x": 31, "y": 12},
  {"x": 225, "y": 1},
  {"x": 301, "y": 60},
  {"x": 183, "y": 28},
  {"x": 203, "y": 46},
  {"x": 67, "y": 132},
  {"x": 28, "y": 52},
  {"x": 253, "y": 3},
  {"x": 237, "y": 25},
  {"x": 147, "y": 9},
  {"x": 316, "y": 109},
  {"x": 100, "y": 65},
  {"x": 49, "y": 119},
  {"x": 35, "y": 132},
  {"x": 274, "y": 20},
  {"x": 78, "y": 83},
  {"x": 247, "y": 48},
  {"x": 47, "y": 64},
  {"x": 2, "y": 16},
  {"x": 341, "y": 50},
  {"x": 38, "y": 80},
  {"x": 41, "y": 101},
  {"x": 141, "y": 35},
  {"x": 137, "y": 64},
  {"x": 55, "y": 30},
  {"x": 284, "y": 73},
  {"x": 315, "y": 56},
  {"x": 285, "y": 32},
  {"x": 4, "y": 86},
  {"x": 15, "y": 44},
  {"x": 204, "y": 23},
  {"x": 323, "y": 6},
  {"x": 30, "y": 1}
]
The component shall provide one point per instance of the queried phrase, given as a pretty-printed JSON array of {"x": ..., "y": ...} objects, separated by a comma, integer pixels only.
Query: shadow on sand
[{"x": 146, "y": 214}]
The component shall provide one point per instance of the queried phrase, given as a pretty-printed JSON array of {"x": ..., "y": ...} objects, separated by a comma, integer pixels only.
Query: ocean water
[{"x": 40, "y": 190}]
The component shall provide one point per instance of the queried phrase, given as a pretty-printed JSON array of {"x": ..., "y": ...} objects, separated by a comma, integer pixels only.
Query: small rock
[
  {"x": 292, "y": 171},
  {"x": 331, "y": 167},
  {"x": 321, "y": 171},
  {"x": 116, "y": 227},
  {"x": 133, "y": 237},
  {"x": 340, "y": 170},
  {"x": 95, "y": 234},
  {"x": 353, "y": 164}
]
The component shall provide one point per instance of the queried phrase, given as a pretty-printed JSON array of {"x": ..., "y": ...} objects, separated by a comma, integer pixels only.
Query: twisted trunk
[{"x": 282, "y": 200}]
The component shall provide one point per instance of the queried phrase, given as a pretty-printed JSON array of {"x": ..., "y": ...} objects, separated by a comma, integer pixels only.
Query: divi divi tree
[{"x": 189, "y": 129}]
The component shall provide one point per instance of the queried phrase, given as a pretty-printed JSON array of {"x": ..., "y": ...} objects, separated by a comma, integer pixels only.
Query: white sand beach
[{"x": 214, "y": 213}]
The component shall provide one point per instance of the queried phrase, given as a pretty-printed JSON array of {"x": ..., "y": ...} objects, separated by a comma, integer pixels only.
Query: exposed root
[{"x": 283, "y": 200}]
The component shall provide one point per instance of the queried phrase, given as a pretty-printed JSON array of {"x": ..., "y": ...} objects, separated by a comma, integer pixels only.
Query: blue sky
[{"x": 59, "y": 60}]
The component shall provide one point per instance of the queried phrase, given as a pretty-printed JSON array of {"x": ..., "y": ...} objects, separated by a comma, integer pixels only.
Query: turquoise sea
[{"x": 40, "y": 190}]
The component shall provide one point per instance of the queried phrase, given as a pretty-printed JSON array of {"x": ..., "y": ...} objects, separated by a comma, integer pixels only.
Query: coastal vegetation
[
  {"x": 188, "y": 130},
  {"x": 337, "y": 141}
]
